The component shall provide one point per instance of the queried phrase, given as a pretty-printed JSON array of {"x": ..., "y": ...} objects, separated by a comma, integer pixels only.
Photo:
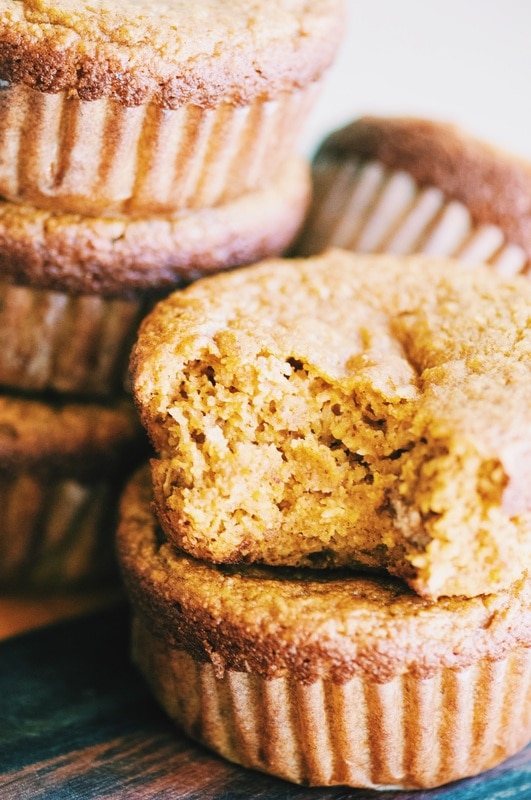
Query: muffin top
[
  {"x": 414, "y": 329},
  {"x": 494, "y": 185},
  {"x": 171, "y": 53},
  {"x": 69, "y": 439},
  {"x": 345, "y": 409},
  {"x": 309, "y": 624},
  {"x": 117, "y": 256}
]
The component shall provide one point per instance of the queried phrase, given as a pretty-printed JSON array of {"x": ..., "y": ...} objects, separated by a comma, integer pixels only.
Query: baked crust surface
[{"x": 171, "y": 53}]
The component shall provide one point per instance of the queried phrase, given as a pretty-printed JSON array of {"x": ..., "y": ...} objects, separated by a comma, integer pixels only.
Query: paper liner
[
  {"x": 56, "y": 533},
  {"x": 63, "y": 154},
  {"x": 68, "y": 343},
  {"x": 405, "y": 734},
  {"x": 362, "y": 206}
]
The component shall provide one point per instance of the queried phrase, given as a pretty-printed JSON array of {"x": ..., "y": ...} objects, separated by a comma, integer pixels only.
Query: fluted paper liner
[
  {"x": 99, "y": 157},
  {"x": 56, "y": 533},
  {"x": 67, "y": 343},
  {"x": 361, "y": 205},
  {"x": 63, "y": 465},
  {"x": 408, "y": 733}
]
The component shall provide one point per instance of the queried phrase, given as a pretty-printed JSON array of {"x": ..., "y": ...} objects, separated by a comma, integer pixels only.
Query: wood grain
[{"x": 77, "y": 723}]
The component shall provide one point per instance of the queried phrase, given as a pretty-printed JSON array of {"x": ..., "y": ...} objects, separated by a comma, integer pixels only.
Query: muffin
[
  {"x": 116, "y": 256},
  {"x": 345, "y": 410},
  {"x": 62, "y": 468},
  {"x": 329, "y": 677},
  {"x": 406, "y": 185},
  {"x": 150, "y": 108}
]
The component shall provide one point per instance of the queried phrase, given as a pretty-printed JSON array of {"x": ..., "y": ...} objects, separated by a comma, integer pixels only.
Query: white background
[{"x": 463, "y": 61}]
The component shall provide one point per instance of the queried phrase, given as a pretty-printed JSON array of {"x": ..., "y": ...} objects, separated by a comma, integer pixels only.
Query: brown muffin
[
  {"x": 407, "y": 185},
  {"x": 62, "y": 467},
  {"x": 149, "y": 108},
  {"x": 343, "y": 410},
  {"x": 116, "y": 256},
  {"x": 326, "y": 677}
]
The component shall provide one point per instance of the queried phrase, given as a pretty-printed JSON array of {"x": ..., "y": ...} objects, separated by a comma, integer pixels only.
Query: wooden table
[{"x": 77, "y": 723}]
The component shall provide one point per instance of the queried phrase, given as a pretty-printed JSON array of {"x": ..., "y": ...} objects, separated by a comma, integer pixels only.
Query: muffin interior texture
[{"x": 360, "y": 419}]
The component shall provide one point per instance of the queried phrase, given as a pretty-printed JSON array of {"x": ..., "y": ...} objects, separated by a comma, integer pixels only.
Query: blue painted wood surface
[{"x": 77, "y": 723}]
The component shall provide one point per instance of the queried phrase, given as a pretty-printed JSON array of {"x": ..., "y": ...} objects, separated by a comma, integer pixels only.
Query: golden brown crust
[
  {"x": 117, "y": 256},
  {"x": 494, "y": 185},
  {"x": 68, "y": 439},
  {"x": 167, "y": 53},
  {"x": 332, "y": 625}
]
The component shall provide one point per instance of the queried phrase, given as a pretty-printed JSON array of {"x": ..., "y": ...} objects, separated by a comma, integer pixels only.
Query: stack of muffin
[
  {"x": 137, "y": 152},
  {"x": 328, "y": 558}
]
